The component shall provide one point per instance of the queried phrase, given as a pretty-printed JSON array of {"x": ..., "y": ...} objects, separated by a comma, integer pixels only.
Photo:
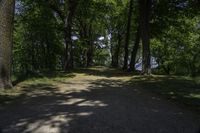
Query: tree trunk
[
  {"x": 115, "y": 62},
  {"x": 6, "y": 40},
  {"x": 125, "y": 67},
  {"x": 68, "y": 60},
  {"x": 145, "y": 7},
  {"x": 192, "y": 65},
  {"x": 90, "y": 51},
  {"x": 66, "y": 53},
  {"x": 135, "y": 49}
]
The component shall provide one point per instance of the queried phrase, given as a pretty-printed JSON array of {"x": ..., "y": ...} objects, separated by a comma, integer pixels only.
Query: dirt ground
[{"x": 94, "y": 102}]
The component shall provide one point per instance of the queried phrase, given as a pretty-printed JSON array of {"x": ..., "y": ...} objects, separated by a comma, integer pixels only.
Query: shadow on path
[
  {"x": 178, "y": 89},
  {"x": 106, "y": 106}
]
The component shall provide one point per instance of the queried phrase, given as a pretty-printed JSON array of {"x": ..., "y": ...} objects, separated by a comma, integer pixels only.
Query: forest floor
[{"x": 101, "y": 100}]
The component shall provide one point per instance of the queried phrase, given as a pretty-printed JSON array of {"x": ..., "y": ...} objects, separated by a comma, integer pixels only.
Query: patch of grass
[
  {"x": 8, "y": 96},
  {"x": 182, "y": 90},
  {"x": 43, "y": 77}
]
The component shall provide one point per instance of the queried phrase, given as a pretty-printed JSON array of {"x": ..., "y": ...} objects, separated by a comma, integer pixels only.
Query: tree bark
[
  {"x": 68, "y": 60},
  {"x": 90, "y": 51},
  {"x": 135, "y": 49},
  {"x": 6, "y": 40},
  {"x": 126, "y": 54},
  {"x": 145, "y": 8},
  {"x": 67, "y": 20},
  {"x": 115, "y": 60}
]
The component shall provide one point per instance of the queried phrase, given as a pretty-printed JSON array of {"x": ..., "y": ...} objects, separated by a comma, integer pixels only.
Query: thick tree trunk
[
  {"x": 90, "y": 51},
  {"x": 66, "y": 53},
  {"x": 6, "y": 30},
  {"x": 193, "y": 68},
  {"x": 126, "y": 51},
  {"x": 68, "y": 60},
  {"x": 135, "y": 50},
  {"x": 145, "y": 8},
  {"x": 82, "y": 35},
  {"x": 90, "y": 55},
  {"x": 115, "y": 62}
]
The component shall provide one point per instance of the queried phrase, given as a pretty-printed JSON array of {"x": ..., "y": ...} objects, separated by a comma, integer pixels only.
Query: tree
[
  {"x": 135, "y": 50},
  {"x": 145, "y": 8},
  {"x": 66, "y": 12},
  {"x": 38, "y": 43},
  {"x": 83, "y": 33},
  {"x": 6, "y": 30},
  {"x": 115, "y": 59},
  {"x": 126, "y": 51}
]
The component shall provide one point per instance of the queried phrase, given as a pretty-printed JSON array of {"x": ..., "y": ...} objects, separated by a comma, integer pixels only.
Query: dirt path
[{"x": 94, "y": 103}]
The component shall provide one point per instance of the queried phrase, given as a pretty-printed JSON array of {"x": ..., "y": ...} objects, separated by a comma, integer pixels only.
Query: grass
[
  {"x": 184, "y": 91},
  {"x": 181, "y": 90},
  {"x": 8, "y": 96}
]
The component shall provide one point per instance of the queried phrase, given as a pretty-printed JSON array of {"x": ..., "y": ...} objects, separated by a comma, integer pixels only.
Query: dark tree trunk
[
  {"x": 115, "y": 62},
  {"x": 192, "y": 65},
  {"x": 135, "y": 50},
  {"x": 68, "y": 60},
  {"x": 145, "y": 8},
  {"x": 66, "y": 53},
  {"x": 90, "y": 54},
  {"x": 126, "y": 51},
  {"x": 112, "y": 50},
  {"x": 90, "y": 48},
  {"x": 82, "y": 36},
  {"x": 6, "y": 40}
]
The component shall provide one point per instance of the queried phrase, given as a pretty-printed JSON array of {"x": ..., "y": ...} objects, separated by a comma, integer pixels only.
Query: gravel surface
[{"x": 94, "y": 104}]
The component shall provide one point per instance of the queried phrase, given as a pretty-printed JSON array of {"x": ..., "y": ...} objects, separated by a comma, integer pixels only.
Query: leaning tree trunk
[
  {"x": 145, "y": 7},
  {"x": 126, "y": 51},
  {"x": 6, "y": 29}
]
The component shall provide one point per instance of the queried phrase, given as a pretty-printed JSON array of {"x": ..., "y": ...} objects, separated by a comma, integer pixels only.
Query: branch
[{"x": 54, "y": 6}]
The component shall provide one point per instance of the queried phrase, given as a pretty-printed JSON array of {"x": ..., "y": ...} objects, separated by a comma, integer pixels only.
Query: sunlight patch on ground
[
  {"x": 72, "y": 101},
  {"x": 82, "y": 102},
  {"x": 53, "y": 125},
  {"x": 93, "y": 104}
]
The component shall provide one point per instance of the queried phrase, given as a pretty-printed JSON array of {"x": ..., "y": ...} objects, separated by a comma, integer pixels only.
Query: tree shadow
[
  {"x": 178, "y": 89},
  {"x": 106, "y": 106}
]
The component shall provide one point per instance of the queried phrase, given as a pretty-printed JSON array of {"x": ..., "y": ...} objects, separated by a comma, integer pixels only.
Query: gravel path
[{"x": 94, "y": 104}]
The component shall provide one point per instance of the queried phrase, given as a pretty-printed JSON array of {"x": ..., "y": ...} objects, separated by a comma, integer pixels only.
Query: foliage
[{"x": 39, "y": 40}]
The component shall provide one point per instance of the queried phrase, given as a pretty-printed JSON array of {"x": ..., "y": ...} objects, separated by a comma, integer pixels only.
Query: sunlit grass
[{"x": 9, "y": 95}]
